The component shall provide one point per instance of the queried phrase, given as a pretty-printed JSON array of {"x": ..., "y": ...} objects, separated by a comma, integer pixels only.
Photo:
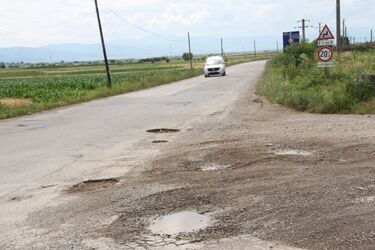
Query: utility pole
[
  {"x": 371, "y": 37},
  {"x": 222, "y": 48},
  {"x": 338, "y": 26},
  {"x": 320, "y": 28},
  {"x": 190, "y": 54},
  {"x": 277, "y": 46},
  {"x": 303, "y": 27},
  {"x": 343, "y": 34},
  {"x": 255, "y": 49},
  {"x": 109, "y": 83}
]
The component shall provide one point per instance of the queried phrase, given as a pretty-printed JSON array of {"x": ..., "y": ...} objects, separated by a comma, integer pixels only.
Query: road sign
[
  {"x": 326, "y": 64},
  {"x": 325, "y": 42},
  {"x": 325, "y": 54},
  {"x": 326, "y": 34},
  {"x": 291, "y": 37}
]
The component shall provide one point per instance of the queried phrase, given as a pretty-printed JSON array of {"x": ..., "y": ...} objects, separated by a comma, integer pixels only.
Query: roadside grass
[
  {"x": 57, "y": 87},
  {"x": 293, "y": 79}
]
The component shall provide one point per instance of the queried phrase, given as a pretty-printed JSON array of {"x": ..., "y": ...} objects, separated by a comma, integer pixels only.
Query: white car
[{"x": 215, "y": 65}]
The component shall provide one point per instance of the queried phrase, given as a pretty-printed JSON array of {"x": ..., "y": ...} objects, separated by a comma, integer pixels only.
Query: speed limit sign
[{"x": 325, "y": 54}]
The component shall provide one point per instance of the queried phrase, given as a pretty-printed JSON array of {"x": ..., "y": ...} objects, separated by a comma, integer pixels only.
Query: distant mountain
[
  {"x": 145, "y": 47},
  {"x": 81, "y": 52}
]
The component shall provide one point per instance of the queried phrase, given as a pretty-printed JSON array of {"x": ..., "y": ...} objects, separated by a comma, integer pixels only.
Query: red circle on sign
[{"x": 321, "y": 54}]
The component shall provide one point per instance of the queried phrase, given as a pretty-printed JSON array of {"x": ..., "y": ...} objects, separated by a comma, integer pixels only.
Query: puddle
[
  {"x": 163, "y": 130},
  {"x": 292, "y": 152},
  {"x": 212, "y": 167},
  {"x": 183, "y": 222}
]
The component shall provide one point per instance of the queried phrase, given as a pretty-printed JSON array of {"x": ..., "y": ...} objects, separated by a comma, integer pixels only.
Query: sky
[{"x": 34, "y": 23}]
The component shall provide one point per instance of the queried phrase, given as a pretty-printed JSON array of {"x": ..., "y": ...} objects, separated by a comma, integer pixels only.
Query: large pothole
[
  {"x": 91, "y": 185},
  {"x": 183, "y": 222},
  {"x": 163, "y": 130}
]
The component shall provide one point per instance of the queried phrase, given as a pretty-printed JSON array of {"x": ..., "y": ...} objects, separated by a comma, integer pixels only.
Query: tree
[
  {"x": 2, "y": 65},
  {"x": 187, "y": 56}
]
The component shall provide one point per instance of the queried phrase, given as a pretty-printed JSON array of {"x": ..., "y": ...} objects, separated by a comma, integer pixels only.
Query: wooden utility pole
[
  {"x": 303, "y": 30},
  {"x": 320, "y": 28},
  {"x": 109, "y": 83},
  {"x": 222, "y": 48},
  {"x": 255, "y": 48},
  {"x": 190, "y": 54},
  {"x": 303, "y": 27},
  {"x": 338, "y": 26}
]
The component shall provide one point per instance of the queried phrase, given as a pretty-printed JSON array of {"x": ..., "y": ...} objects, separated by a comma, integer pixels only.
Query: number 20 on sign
[{"x": 325, "y": 54}]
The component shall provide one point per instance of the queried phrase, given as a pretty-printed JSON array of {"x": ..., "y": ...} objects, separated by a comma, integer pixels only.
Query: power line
[
  {"x": 140, "y": 28},
  {"x": 151, "y": 33}
]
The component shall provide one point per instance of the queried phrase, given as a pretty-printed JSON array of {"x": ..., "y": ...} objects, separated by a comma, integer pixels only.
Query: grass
[
  {"x": 48, "y": 88},
  {"x": 293, "y": 79}
]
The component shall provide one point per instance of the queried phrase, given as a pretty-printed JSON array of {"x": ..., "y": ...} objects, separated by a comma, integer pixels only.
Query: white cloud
[{"x": 39, "y": 22}]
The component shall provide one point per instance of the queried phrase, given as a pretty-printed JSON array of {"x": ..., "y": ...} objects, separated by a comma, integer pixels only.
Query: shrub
[{"x": 293, "y": 79}]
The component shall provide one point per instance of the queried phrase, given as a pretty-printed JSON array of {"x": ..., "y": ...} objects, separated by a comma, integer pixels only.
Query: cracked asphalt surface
[{"x": 90, "y": 176}]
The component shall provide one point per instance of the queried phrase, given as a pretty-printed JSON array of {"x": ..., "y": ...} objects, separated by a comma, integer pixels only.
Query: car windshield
[{"x": 214, "y": 61}]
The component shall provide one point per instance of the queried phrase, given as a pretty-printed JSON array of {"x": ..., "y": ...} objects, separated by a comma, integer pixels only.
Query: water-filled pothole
[
  {"x": 183, "y": 222},
  {"x": 163, "y": 130},
  {"x": 292, "y": 152}
]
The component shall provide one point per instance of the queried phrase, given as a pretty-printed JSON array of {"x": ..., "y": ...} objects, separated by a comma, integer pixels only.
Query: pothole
[
  {"x": 211, "y": 167},
  {"x": 91, "y": 185},
  {"x": 163, "y": 130},
  {"x": 183, "y": 222},
  {"x": 367, "y": 199},
  {"x": 292, "y": 152},
  {"x": 47, "y": 186},
  {"x": 21, "y": 198},
  {"x": 159, "y": 141}
]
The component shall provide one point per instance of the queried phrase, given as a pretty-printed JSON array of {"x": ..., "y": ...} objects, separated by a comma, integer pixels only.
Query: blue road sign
[{"x": 290, "y": 38}]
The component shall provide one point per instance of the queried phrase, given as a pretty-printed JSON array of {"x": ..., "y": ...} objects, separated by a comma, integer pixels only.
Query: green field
[
  {"x": 293, "y": 79},
  {"x": 47, "y": 88}
]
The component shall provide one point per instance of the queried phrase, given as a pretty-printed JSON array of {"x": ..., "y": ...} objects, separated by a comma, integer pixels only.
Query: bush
[
  {"x": 299, "y": 53},
  {"x": 293, "y": 79},
  {"x": 187, "y": 56}
]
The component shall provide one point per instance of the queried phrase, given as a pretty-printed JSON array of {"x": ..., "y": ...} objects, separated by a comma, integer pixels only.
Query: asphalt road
[
  {"x": 240, "y": 173},
  {"x": 37, "y": 149},
  {"x": 43, "y": 154}
]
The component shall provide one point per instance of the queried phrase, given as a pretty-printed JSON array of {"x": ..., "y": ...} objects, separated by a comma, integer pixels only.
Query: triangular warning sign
[{"x": 326, "y": 34}]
